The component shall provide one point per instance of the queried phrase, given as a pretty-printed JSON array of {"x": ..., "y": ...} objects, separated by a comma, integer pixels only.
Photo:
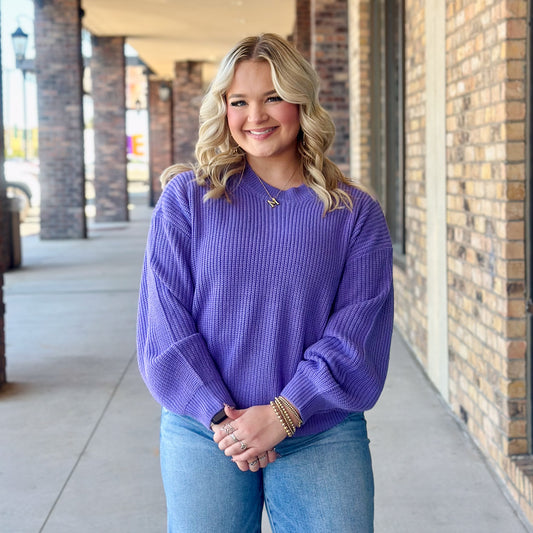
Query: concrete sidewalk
[{"x": 79, "y": 431}]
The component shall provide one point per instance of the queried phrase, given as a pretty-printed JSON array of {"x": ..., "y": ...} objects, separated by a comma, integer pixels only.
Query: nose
[{"x": 257, "y": 113}]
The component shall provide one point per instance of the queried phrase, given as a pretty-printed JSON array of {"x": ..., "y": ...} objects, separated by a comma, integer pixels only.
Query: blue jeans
[{"x": 320, "y": 483}]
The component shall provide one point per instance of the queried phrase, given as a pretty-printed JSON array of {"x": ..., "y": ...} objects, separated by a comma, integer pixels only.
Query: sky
[
  {"x": 14, "y": 14},
  {"x": 20, "y": 13}
]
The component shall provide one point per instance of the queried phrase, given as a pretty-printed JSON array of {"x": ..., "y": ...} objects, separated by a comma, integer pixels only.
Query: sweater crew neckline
[{"x": 253, "y": 182}]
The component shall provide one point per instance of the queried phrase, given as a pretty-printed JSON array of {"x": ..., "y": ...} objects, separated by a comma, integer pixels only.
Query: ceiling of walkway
[{"x": 165, "y": 31}]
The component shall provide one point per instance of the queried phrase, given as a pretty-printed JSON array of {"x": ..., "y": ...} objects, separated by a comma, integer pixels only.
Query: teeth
[{"x": 262, "y": 132}]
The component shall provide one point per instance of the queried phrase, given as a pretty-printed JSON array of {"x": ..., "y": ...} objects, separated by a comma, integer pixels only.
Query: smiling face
[{"x": 262, "y": 124}]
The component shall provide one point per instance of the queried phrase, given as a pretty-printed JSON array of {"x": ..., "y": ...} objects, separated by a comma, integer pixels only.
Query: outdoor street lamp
[
  {"x": 20, "y": 43},
  {"x": 164, "y": 91}
]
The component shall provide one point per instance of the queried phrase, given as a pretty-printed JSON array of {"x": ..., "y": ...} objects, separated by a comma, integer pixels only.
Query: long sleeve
[
  {"x": 241, "y": 303},
  {"x": 173, "y": 357},
  {"x": 346, "y": 368}
]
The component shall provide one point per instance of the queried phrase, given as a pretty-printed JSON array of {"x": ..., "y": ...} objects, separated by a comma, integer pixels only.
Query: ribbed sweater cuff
[
  {"x": 208, "y": 400},
  {"x": 205, "y": 391},
  {"x": 304, "y": 395}
]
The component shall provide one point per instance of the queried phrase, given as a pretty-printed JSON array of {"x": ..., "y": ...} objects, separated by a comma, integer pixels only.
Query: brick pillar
[
  {"x": 360, "y": 90},
  {"x": 329, "y": 54},
  {"x": 58, "y": 65},
  {"x": 302, "y": 28},
  {"x": 3, "y": 377},
  {"x": 160, "y": 113},
  {"x": 108, "y": 72},
  {"x": 187, "y": 94},
  {"x": 4, "y": 252}
]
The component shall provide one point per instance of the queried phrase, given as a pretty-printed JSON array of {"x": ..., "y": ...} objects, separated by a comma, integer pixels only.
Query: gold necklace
[{"x": 273, "y": 200}]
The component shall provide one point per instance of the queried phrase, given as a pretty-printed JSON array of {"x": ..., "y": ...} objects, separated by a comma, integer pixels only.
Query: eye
[
  {"x": 237, "y": 103},
  {"x": 274, "y": 99}
]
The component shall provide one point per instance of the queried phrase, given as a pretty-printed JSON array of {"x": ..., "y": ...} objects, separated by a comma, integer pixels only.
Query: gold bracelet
[
  {"x": 283, "y": 419},
  {"x": 285, "y": 415},
  {"x": 292, "y": 410},
  {"x": 280, "y": 418},
  {"x": 282, "y": 422}
]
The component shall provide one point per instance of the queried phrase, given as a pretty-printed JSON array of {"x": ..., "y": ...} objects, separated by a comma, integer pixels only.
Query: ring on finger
[
  {"x": 262, "y": 457},
  {"x": 243, "y": 445},
  {"x": 235, "y": 439},
  {"x": 253, "y": 463},
  {"x": 228, "y": 428}
]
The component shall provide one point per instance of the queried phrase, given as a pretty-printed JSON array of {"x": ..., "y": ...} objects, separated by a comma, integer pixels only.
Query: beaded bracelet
[
  {"x": 292, "y": 410},
  {"x": 285, "y": 415},
  {"x": 282, "y": 407},
  {"x": 282, "y": 420}
]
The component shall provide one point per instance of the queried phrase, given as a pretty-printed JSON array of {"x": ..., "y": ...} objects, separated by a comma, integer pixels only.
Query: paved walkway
[{"x": 79, "y": 432}]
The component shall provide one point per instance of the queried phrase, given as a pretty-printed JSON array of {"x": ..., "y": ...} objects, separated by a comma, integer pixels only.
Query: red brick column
[
  {"x": 160, "y": 113},
  {"x": 302, "y": 28},
  {"x": 329, "y": 53},
  {"x": 4, "y": 252},
  {"x": 108, "y": 72},
  {"x": 3, "y": 377},
  {"x": 58, "y": 65},
  {"x": 187, "y": 95},
  {"x": 360, "y": 91},
  {"x": 4, "y": 261}
]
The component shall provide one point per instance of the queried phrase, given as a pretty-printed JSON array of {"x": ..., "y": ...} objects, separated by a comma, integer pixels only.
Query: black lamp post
[{"x": 20, "y": 43}]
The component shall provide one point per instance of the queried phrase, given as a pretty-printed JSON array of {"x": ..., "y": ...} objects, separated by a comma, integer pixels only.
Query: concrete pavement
[{"x": 79, "y": 431}]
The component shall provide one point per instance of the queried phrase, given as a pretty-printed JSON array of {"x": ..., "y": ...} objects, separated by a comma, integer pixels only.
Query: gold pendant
[{"x": 273, "y": 202}]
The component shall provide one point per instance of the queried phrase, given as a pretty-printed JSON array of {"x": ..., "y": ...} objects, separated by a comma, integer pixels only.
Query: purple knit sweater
[{"x": 241, "y": 302}]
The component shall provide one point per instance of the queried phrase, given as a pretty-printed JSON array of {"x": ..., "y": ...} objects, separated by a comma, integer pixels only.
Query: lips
[{"x": 261, "y": 132}]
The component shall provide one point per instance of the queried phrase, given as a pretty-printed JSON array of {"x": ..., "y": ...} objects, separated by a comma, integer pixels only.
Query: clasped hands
[{"x": 250, "y": 437}]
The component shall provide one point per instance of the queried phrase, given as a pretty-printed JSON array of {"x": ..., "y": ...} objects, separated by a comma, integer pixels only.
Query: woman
[{"x": 266, "y": 311}]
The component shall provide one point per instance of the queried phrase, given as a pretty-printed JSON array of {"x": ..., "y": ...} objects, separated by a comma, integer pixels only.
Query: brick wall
[
  {"x": 410, "y": 275},
  {"x": 367, "y": 119},
  {"x": 108, "y": 74},
  {"x": 62, "y": 173},
  {"x": 329, "y": 54},
  {"x": 360, "y": 90},
  {"x": 4, "y": 260},
  {"x": 160, "y": 137},
  {"x": 485, "y": 169},
  {"x": 486, "y": 51},
  {"x": 3, "y": 376},
  {"x": 302, "y": 28},
  {"x": 3, "y": 239},
  {"x": 187, "y": 91}
]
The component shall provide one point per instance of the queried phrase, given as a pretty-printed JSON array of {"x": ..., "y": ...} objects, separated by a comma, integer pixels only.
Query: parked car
[{"x": 22, "y": 183}]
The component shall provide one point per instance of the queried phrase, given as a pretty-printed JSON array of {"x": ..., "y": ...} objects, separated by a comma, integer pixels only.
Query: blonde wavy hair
[{"x": 218, "y": 156}]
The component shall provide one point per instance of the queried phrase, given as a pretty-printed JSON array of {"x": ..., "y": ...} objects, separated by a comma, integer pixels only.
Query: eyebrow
[{"x": 237, "y": 95}]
